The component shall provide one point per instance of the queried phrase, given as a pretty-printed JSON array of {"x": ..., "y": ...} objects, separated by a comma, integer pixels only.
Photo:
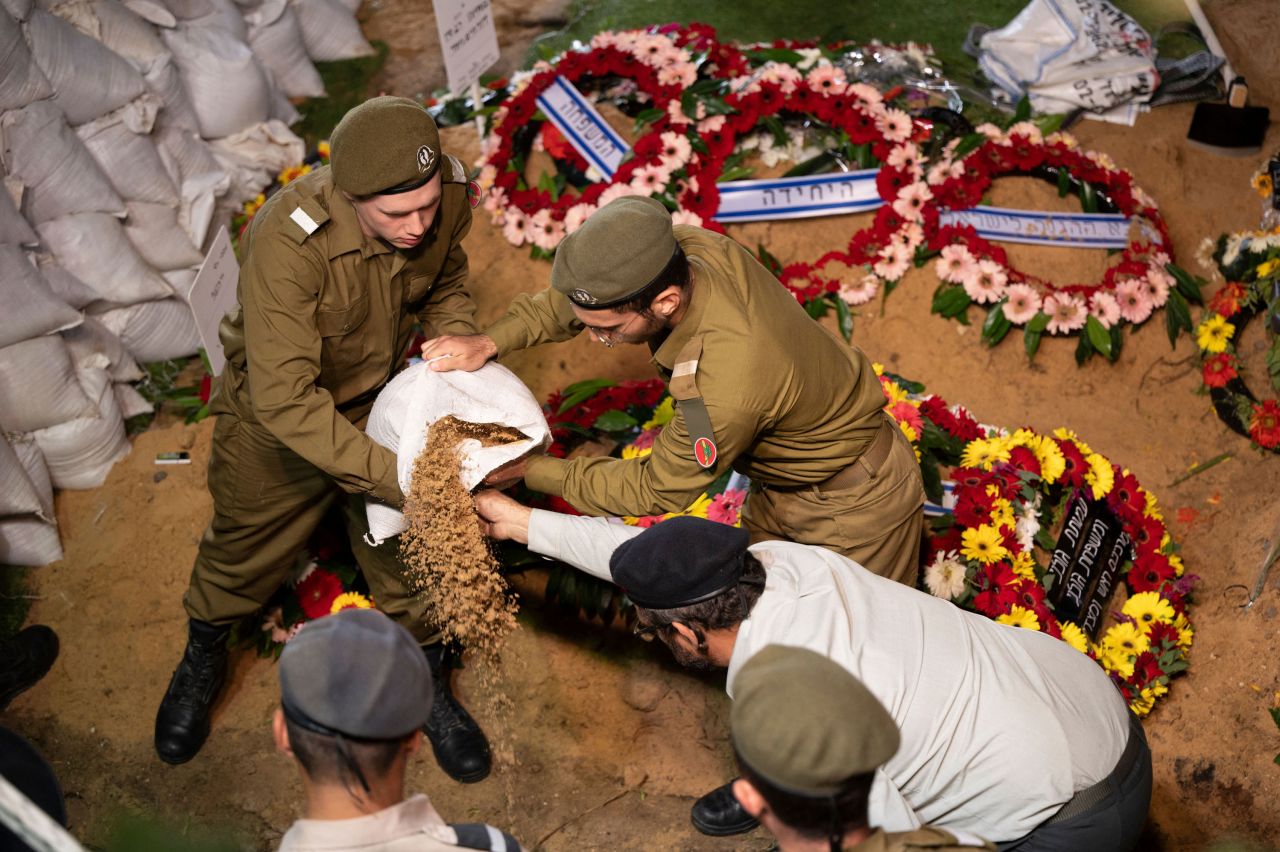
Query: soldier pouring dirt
[{"x": 338, "y": 267}]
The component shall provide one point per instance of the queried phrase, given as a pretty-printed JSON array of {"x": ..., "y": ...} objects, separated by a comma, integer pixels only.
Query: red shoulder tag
[
  {"x": 704, "y": 450},
  {"x": 474, "y": 194}
]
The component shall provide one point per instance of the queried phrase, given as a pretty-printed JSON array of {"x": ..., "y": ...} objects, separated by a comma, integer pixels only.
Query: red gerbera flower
[
  {"x": 1023, "y": 459},
  {"x": 1163, "y": 635},
  {"x": 1150, "y": 572},
  {"x": 1126, "y": 500},
  {"x": 973, "y": 508},
  {"x": 1219, "y": 369},
  {"x": 1264, "y": 426},
  {"x": 1076, "y": 467},
  {"x": 317, "y": 593},
  {"x": 1227, "y": 300},
  {"x": 1146, "y": 668}
]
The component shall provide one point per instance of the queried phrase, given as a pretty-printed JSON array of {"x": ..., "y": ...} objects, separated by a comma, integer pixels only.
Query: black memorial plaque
[{"x": 1086, "y": 563}]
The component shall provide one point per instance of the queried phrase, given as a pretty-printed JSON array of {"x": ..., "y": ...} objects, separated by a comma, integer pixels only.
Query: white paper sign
[
  {"x": 213, "y": 295},
  {"x": 1036, "y": 227},
  {"x": 467, "y": 38},
  {"x": 798, "y": 197},
  {"x": 586, "y": 130}
]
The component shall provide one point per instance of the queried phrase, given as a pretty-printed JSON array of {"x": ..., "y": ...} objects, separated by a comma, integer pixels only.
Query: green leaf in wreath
[
  {"x": 1051, "y": 123},
  {"x": 1273, "y": 362},
  {"x": 615, "y": 421},
  {"x": 1022, "y": 112},
  {"x": 698, "y": 144},
  {"x": 770, "y": 262},
  {"x": 1084, "y": 349},
  {"x": 932, "y": 481},
  {"x": 844, "y": 316},
  {"x": 1098, "y": 336},
  {"x": 646, "y": 117},
  {"x": 1064, "y": 183},
  {"x": 1039, "y": 322},
  {"x": 997, "y": 325},
  {"x": 1177, "y": 316},
  {"x": 1188, "y": 285},
  {"x": 968, "y": 143},
  {"x": 1088, "y": 197},
  {"x": 816, "y": 308},
  {"x": 951, "y": 302},
  {"x": 579, "y": 392},
  {"x": 1031, "y": 341}
]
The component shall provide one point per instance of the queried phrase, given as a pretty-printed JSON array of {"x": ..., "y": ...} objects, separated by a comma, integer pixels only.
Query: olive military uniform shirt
[
  {"x": 789, "y": 402},
  {"x": 934, "y": 839},
  {"x": 326, "y": 316}
]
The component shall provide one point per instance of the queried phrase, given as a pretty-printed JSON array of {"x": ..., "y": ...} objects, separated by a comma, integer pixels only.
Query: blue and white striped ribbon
[
  {"x": 1036, "y": 227},
  {"x": 798, "y": 197},
  {"x": 587, "y": 131}
]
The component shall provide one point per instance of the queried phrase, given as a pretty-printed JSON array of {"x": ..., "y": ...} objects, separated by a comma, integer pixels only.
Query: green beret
[
  {"x": 805, "y": 724},
  {"x": 385, "y": 144},
  {"x": 358, "y": 673},
  {"x": 618, "y": 252},
  {"x": 679, "y": 562}
]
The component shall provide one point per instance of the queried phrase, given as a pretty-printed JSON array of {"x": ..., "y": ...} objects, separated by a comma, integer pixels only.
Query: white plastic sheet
[
  {"x": 256, "y": 155},
  {"x": 412, "y": 401}
]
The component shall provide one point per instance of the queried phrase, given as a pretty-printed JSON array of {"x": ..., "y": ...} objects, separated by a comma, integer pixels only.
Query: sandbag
[
  {"x": 330, "y": 31},
  {"x": 59, "y": 174},
  {"x": 165, "y": 82},
  {"x": 275, "y": 37},
  {"x": 419, "y": 396},
  {"x": 29, "y": 540},
  {"x": 132, "y": 404},
  {"x": 93, "y": 247},
  {"x": 17, "y": 9},
  {"x": 228, "y": 88},
  {"x": 38, "y": 386},
  {"x": 88, "y": 79},
  {"x": 200, "y": 178},
  {"x": 92, "y": 341},
  {"x": 216, "y": 14},
  {"x": 17, "y": 495},
  {"x": 14, "y": 230},
  {"x": 80, "y": 452},
  {"x": 64, "y": 285},
  {"x": 128, "y": 34},
  {"x": 155, "y": 233},
  {"x": 153, "y": 11},
  {"x": 155, "y": 331},
  {"x": 32, "y": 461},
  {"x": 255, "y": 156},
  {"x": 129, "y": 159},
  {"x": 21, "y": 80},
  {"x": 30, "y": 308}
]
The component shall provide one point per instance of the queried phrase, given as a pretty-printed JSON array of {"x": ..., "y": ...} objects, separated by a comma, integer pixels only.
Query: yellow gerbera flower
[
  {"x": 1024, "y": 565},
  {"x": 984, "y": 453},
  {"x": 1185, "y": 633},
  {"x": 1152, "y": 509},
  {"x": 1020, "y": 617},
  {"x": 1074, "y": 636},
  {"x": 1002, "y": 514},
  {"x": 1213, "y": 334},
  {"x": 699, "y": 507},
  {"x": 1052, "y": 462},
  {"x": 350, "y": 600},
  {"x": 1141, "y": 705},
  {"x": 1262, "y": 183},
  {"x": 1265, "y": 269},
  {"x": 1147, "y": 608},
  {"x": 1100, "y": 476},
  {"x": 878, "y": 367},
  {"x": 1024, "y": 438},
  {"x": 983, "y": 544},
  {"x": 292, "y": 173},
  {"x": 1121, "y": 645},
  {"x": 323, "y": 149},
  {"x": 1176, "y": 561},
  {"x": 895, "y": 392},
  {"x": 630, "y": 452},
  {"x": 661, "y": 415},
  {"x": 909, "y": 431}
]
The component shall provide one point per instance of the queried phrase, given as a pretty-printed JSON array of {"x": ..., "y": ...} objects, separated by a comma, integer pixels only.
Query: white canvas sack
[
  {"x": 88, "y": 79},
  {"x": 412, "y": 401},
  {"x": 81, "y": 452},
  {"x": 93, "y": 247},
  {"x": 21, "y": 80},
  {"x": 30, "y": 307},
  {"x": 330, "y": 30},
  {"x": 155, "y": 331},
  {"x": 1071, "y": 54},
  {"x": 38, "y": 386}
]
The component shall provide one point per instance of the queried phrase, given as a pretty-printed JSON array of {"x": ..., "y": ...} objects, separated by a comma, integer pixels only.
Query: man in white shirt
[
  {"x": 1006, "y": 733},
  {"x": 355, "y": 691}
]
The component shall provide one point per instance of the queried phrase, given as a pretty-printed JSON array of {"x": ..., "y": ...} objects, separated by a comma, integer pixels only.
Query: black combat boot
[
  {"x": 458, "y": 743},
  {"x": 25, "y": 657},
  {"x": 719, "y": 813},
  {"x": 182, "y": 724}
]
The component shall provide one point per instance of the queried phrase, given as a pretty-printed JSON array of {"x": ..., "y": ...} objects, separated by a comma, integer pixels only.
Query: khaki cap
[
  {"x": 805, "y": 724},
  {"x": 617, "y": 253},
  {"x": 384, "y": 144}
]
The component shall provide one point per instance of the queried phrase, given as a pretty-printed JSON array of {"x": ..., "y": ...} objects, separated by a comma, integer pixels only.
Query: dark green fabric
[{"x": 382, "y": 144}]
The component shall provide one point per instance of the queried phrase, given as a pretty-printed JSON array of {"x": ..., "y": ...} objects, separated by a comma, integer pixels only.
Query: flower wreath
[
  {"x": 1250, "y": 263},
  {"x": 1009, "y": 488},
  {"x": 976, "y": 271}
]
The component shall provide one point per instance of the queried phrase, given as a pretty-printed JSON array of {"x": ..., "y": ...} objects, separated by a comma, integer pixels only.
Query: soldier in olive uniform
[
  {"x": 809, "y": 737},
  {"x": 760, "y": 387},
  {"x": 338, "y": 267}
]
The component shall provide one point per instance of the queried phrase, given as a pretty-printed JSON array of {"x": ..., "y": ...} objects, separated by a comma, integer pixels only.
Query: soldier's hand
[
  {"x": 504, "y": 518},
  {"x": 458, "y": 352}
]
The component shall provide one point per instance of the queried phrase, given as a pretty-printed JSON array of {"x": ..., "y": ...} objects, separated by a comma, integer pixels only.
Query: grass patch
[
  {"x": 347, "y": 84},
  {"x": 14, "y": 588}
]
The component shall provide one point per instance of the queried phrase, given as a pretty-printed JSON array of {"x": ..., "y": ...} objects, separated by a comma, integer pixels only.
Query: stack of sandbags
[{"x": 28, "y": 531}]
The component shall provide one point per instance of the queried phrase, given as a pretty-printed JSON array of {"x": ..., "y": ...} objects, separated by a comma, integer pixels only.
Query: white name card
[
  {"x": 587, "y": 131},
  {"x": 467, "y": 38},
  {"x": 213, "y": 295}
]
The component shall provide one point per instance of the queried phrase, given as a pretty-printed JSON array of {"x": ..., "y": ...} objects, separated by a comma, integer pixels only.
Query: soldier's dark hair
[
  {"x": 674, "y": 274},
  {"x": 322, "y": 756},
  {"x": 815, "y": 817},
  {"x": 727, "y": 609}
]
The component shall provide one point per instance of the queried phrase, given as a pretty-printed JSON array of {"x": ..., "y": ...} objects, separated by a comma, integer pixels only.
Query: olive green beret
[
  {"x": 805, "y": 724},
  {"x": 616, "y": 253},
  {"x": 384, "y": 144}
]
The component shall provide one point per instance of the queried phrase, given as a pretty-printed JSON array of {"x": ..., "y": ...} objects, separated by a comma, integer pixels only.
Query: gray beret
[
  {"x": 805, "y": 724},
  {"x": 384, "y": 144},
  {"x": 358, "y": 673},
  {"x": 617, "y": 253},
  {"x": 679, "y": 562}
]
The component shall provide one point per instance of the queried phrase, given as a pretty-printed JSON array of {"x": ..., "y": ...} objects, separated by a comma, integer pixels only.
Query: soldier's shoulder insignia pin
[{"x": 704, "y": 450}]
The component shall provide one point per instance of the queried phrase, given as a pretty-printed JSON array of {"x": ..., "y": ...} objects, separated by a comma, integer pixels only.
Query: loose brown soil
[{"x": 614, "y": 741}]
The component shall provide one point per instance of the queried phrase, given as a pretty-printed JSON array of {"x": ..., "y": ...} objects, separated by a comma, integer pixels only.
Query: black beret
[
  {"x": 358, "y": 673},
  {"x": 679, "y": 562}
]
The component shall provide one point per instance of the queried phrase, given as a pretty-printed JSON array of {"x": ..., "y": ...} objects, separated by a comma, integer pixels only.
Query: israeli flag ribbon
[
  {"x": 1036, "y": 227},
  {"x": 587, "y": 131},
  {"x": 798, "y": 197},
  {"x": 948, "y": 504}
]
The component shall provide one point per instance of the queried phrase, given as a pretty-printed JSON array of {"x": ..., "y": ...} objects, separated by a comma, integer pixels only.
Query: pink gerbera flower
[
  {"x": 956, "y": 264},
  {"x": 1066, "y": 313},
  {"x": 1134, "y": 299},
  {"x": 1022, "y": 303},
  {"x": 1105, "y": 309},
  {"x": 986, "y": 284}
]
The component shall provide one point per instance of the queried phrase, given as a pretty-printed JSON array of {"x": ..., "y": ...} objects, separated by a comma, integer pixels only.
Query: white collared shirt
[
  {"x": 411, "y": 826},
  {"x": 1000, "y": 725}
]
